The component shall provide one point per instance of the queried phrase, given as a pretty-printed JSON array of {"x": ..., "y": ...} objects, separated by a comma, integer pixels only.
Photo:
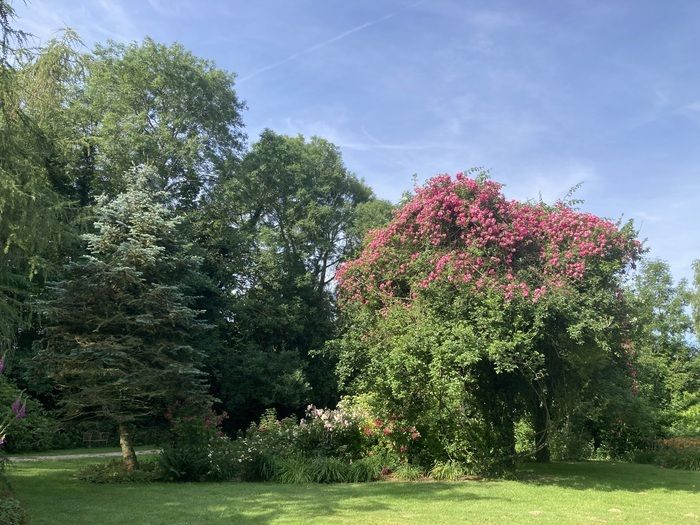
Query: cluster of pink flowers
[
  {"x": 466, "y": 233},
  {"x": 387, "y": 428},
  {"x": 397, "y": 436}
]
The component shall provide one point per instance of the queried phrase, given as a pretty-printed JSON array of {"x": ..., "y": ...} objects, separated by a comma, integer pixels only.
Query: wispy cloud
[
  {"x": 93, "y": 20},
  {"x": 646, "y": 216},
  {"x": 45, "y": 22},
  {"x": 343, "y": 136},
  {"x": 327, "y": 42},
  {"x": 551, "y": 183}
]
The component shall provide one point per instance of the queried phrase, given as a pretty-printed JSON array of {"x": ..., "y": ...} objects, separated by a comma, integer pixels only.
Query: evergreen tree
[{"x": 121, "y": 320}]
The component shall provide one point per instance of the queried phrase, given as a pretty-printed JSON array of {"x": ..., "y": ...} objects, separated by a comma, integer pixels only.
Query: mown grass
[
  {"x": 557, "y": 493},
  {"x": 77, "y": 451}
]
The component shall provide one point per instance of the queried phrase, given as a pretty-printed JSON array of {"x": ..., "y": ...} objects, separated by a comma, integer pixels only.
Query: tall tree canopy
[
  {"x": 695, "y": 298},
  {"x": 290, "y": 212},
  {"x": 667, "y": 358},
  {"x": 154, "y": 104}
]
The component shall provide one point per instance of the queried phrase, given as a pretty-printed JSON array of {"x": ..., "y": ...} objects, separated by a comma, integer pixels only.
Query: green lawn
[
  {"x": 558, "y": 493},
  {"x": 82, "y": 450}
]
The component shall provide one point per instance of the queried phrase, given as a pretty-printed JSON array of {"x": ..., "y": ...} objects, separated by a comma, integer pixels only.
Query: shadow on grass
[
  {"x": 609, "y": 476},
  {"x": 53, "y": 495},
  {"x": 265, "y": 503}
]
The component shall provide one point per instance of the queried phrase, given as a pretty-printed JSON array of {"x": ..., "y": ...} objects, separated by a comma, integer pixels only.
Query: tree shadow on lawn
[
  {"x": 265, "y": 503},
  {"x": 609, "y": 476},
  {"x": 53, "y": 489}
]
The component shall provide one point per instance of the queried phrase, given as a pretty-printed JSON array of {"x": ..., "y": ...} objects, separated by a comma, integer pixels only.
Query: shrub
[
  {"x": 224, "y": 460},
  {"x": 327, "y": 446},
  {"x": 329, "y": 470},
  {"x": 11, "y": 512},
  {"x": 35, "y": 431},
  {"x": 269, "y": 436},
  {"x": 184, "y": 463},
  {"x": 408, "y": 472},
  {"x": 263, "y": 467},
  {"x": 680, "y": 453},
  {"x": 333, "y": 433},
  {"x": 458, "y": 308},
  {"x": 186, "y": 457},
  {"x": 323, "y": 432},
  {"x": 114, "y": 472},
  {"x": 364, "y": 470},
  {"x": 447, "y": 471},
  {"x": 294, "y": 469}
]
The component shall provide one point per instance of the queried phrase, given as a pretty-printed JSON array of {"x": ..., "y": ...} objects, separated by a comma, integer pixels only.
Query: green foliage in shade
[
  {"x": 278, "y": 230},
  {"x": 189, "y": 454},
  {"x": 12, "y": 513},
  {"x": 446, "y": 471},
  {"x": 679, "y": 453},
  {"x": 119, "y": 324},
  {"x": 114, "y": 472},
  {"x": 36, "y": 431}
]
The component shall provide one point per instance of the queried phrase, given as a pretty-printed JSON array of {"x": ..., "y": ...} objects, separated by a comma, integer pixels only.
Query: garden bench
[{"x": 94, "y": 437}]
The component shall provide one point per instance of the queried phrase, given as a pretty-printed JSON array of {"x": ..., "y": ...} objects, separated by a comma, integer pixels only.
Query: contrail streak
[{"x": 325, "y": 43}]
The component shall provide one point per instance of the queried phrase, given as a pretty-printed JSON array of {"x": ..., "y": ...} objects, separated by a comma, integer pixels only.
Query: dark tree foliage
[{"x": 280, "y": 227}]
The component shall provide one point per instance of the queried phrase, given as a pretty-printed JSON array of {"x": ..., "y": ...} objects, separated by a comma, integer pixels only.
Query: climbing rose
[{"x": 464, "y": 233}]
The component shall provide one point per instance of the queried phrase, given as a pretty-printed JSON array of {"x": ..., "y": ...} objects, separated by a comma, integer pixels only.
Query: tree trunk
[
  {"x": 541, "y": 427},
  {"x": 127, "y": 445}
]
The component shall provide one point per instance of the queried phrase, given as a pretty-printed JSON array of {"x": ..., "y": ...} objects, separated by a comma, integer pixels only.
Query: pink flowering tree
[{"x": 469, "y": 311}]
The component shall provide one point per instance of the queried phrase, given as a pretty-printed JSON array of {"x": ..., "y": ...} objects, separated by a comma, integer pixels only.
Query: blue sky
[{"x": 545, "y": 94}]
